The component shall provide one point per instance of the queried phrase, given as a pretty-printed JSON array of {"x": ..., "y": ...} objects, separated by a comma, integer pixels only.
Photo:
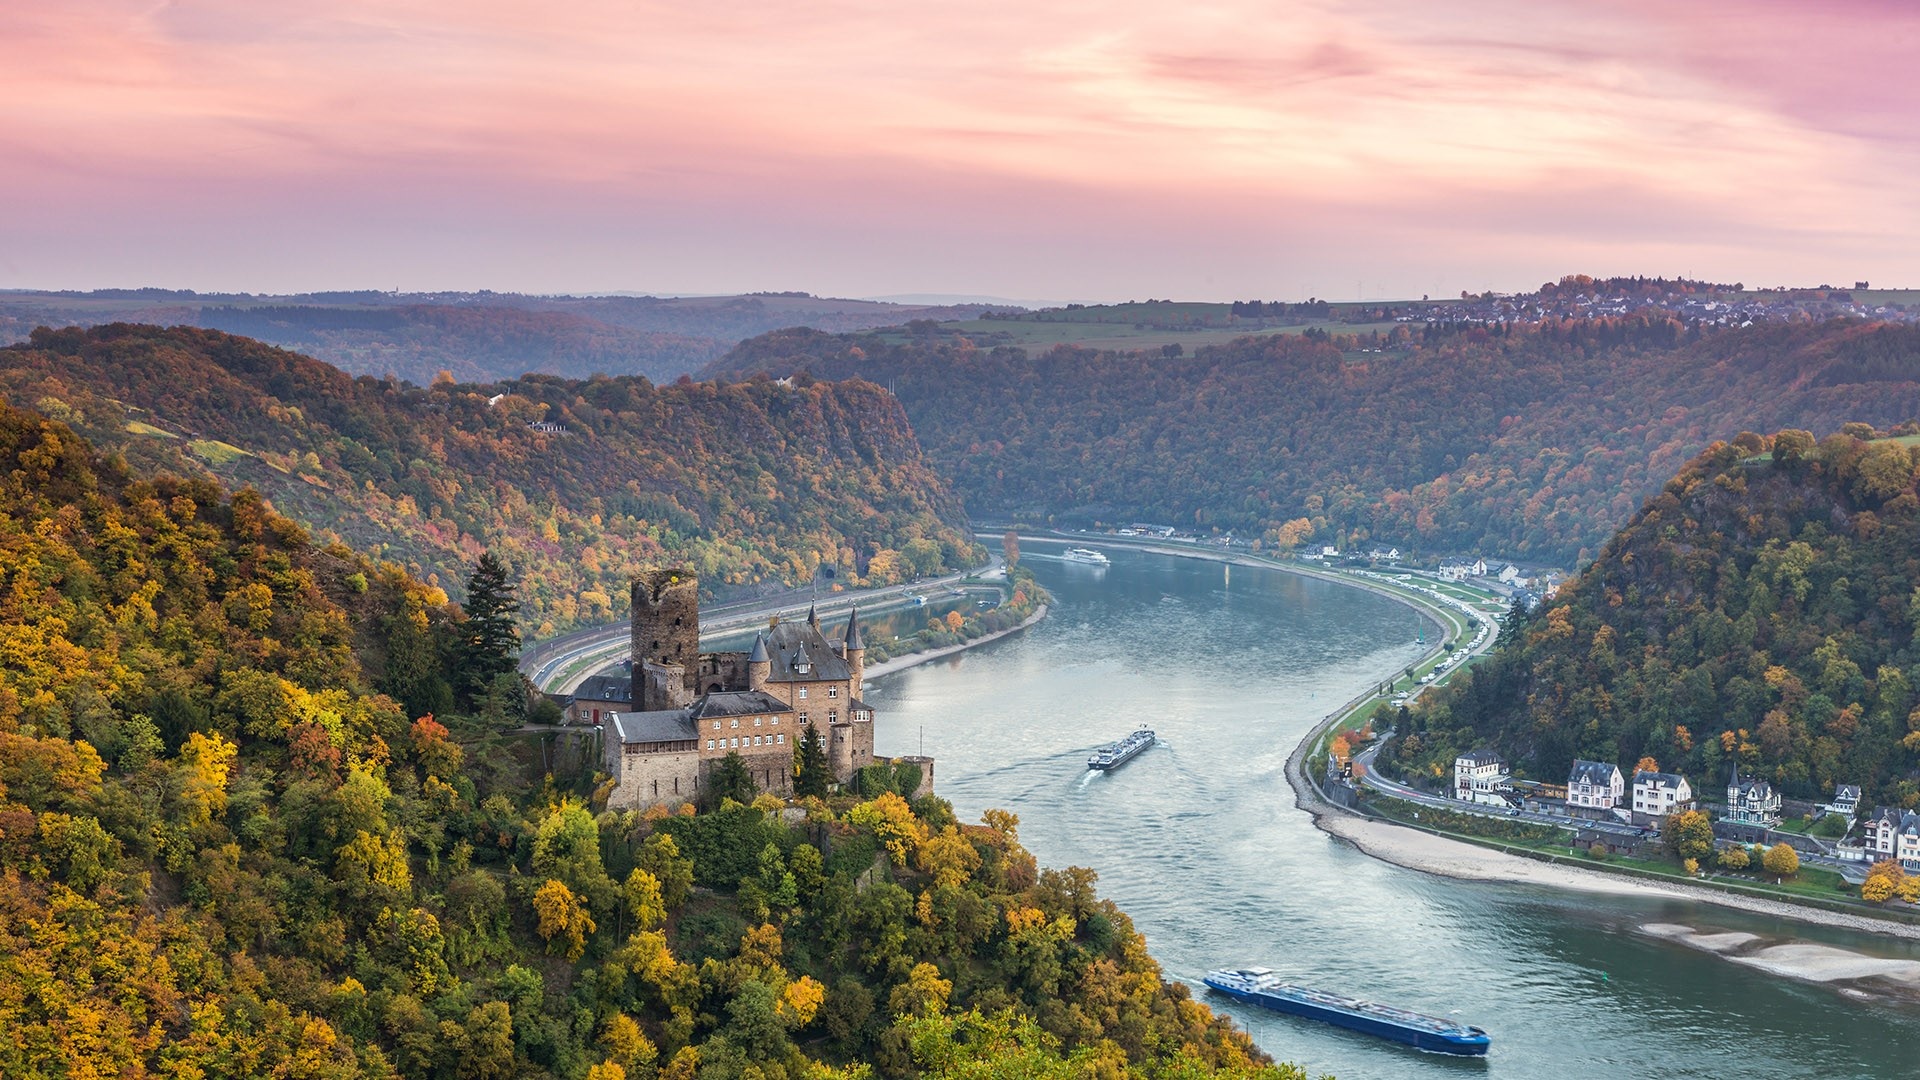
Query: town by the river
[{"x": 1199, "y": 841}]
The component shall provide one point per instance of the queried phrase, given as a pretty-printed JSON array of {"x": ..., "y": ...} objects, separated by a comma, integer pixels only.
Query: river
[{"x": 1199, "y": 841}]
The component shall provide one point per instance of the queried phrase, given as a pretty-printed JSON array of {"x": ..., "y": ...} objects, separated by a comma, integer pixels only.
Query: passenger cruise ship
[{"x": 1085, "y": 555}]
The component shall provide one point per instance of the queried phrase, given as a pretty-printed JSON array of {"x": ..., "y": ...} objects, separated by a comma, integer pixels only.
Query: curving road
[{"x": 560, "y": 664}]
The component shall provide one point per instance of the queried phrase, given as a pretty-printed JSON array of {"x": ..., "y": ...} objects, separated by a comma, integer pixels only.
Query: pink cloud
[{"x": 859, "y": 147}]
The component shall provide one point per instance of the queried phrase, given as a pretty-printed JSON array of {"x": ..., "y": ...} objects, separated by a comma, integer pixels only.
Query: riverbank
[{"x": 901, "y": 663}]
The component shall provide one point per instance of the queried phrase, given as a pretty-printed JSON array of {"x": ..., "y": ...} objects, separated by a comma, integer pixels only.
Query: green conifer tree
[
  {"x": 810, "y": 771},
  {"x": 489, "y": 640}
]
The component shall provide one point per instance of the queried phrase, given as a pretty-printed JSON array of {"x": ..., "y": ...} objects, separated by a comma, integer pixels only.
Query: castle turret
[
  {"x": 855, "y": 647},
  {"x": 813, "y": 617},
  {"x": 759, "y": 664},
  {"x": 666, "y": 636}
]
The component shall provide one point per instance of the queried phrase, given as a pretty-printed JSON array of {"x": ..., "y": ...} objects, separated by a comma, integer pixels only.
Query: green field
[
  {"x": 215, "y": 452},
  {"x": 139, "y": 428}
]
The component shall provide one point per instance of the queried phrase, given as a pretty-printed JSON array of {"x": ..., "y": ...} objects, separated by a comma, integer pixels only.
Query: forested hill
[
  {"x": 225, "y": 853},
  {"x": 1530, "y": 442},
  {"x": 575, "y": 483},
  {"x": 1762, "y": 608},
  {"x": 477, "y": 337}
]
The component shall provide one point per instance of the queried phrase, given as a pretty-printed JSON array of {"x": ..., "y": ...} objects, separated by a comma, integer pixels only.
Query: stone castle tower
[{"x": 666, "y": 638}]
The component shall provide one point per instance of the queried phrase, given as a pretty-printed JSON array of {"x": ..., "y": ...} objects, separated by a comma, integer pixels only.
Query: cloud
[{"x": 862, "y": 147}]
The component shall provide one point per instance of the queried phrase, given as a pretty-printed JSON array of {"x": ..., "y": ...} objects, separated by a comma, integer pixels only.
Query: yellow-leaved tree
[{"x": 563, "y": 916}]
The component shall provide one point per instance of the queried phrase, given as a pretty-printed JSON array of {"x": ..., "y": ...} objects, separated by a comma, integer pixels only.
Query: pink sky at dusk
[{"x": 1051, "y": 149}]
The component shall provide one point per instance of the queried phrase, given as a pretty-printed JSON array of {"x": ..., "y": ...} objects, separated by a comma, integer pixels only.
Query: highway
[{"x": 560, "y": 664}]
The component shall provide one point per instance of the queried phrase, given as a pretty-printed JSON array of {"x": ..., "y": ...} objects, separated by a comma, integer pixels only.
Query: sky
[{"x": 1051, "y": 149}]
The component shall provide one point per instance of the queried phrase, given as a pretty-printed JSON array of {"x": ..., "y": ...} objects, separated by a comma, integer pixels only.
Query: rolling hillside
[
  {"x": 576, "y": 483},
  {"x": 1532, "y": 442}
]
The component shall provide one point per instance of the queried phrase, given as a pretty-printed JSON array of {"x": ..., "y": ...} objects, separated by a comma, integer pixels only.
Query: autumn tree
[
  {"x": 563, "y": 918},
  {"x": 1010, "y": 547},
  {"x": 1688, "y": 834},
  {"x": 1781, "y": 860}
]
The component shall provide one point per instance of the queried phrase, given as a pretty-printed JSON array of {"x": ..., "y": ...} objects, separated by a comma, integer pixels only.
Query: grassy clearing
[
  {"x": 138, "y": 428},
  {"x": 215, "y": 452}
]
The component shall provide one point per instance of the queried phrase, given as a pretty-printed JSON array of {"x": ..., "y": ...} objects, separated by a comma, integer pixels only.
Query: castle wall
[
  {"x": 722, "y": 671},
  {"x": 646, "y": 777}
]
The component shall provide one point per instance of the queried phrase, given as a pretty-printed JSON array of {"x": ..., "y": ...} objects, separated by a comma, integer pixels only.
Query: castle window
[
  {"x": 709, "y": 744},
  {"x": 833, "y": 691},
  {"x": 781, "y": 739},
  {"x": 803, "y": 718},
  {"x": 774, "y": 720},
  {"x": 716, "y": 725},
  {"x": 803, "y": 693},
  {"x": 756, "y": 721},
  {"x": 736, "y": 721},
  {"x": 833, "y": 715}
]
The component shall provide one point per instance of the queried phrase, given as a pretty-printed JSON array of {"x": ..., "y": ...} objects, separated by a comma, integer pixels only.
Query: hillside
[
  {"x": 476, "y": 337},
  {"x": 224, "y": 853},
  {"x": 754, "y": 484},
  {"x": 1532, "y": 442},
  {"x": 1762, "y": 608}
]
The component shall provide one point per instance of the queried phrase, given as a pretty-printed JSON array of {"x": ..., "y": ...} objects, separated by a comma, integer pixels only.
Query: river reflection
[{"x": 1198, "y": 840}]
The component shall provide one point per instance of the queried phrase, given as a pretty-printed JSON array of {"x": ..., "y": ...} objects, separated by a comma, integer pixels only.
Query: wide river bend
[{"x": 1199, "y": 841}]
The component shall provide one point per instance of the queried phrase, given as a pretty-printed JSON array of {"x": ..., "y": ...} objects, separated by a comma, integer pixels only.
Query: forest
[
  {"x": 231, "y": 848},
  {"x": 575, "y": 483},
  {"x": 1761, "y": 611},
  {"x": 1531, "y": 442}
]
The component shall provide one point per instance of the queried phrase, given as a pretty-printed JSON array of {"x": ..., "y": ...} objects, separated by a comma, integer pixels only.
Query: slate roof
[
  {"x": 735, "y": 703},
  {"x": 662, "y": 725},
  {"x": 1600, "y": 773},
  {"x": 790, "y": 641},
  {"x": 1481, "y": 757},
  {"x": 759, "y": 653},
  {"x": 1846, "y": 793},
  {"x": 1658, "y": 779},
  {"x": 853, "y": 636},
  {"x": 605, "y": 688},
  {"x": 1752, "y": 789}
]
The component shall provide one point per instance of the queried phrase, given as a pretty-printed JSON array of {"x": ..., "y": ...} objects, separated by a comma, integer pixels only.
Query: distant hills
[
  {"x": 476, "y": 337},
  {"x": 1531, "y": 440},
  {"x": 1761, "y": 609},
  {"x": 575, "y": 482}
]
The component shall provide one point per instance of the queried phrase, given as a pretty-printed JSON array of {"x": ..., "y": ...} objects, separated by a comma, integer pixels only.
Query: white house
[
  {"x": 1595, "y": 785},
  {"x": 1478, "y": 569},
  {"x": 1657, "y": 794},
  {"x": 1328, "y": 551},
  {"x": 1510, "y": 574},
  {"x": 1481, "y": 777},
  {"x": 1846, "y": 801},
  {"x": 1752, "y": 802}
]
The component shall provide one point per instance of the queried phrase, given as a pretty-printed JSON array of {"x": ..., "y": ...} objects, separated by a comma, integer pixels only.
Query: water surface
[{"x": 1198, "y": 840}]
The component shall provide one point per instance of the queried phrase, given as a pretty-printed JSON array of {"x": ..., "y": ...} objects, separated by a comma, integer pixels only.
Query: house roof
[
  {"x": 735, "y": 703},
  {"x": 1602, "y": 773},
  {"x": 1751, "y": 788},
  {"x": 661, "y": 725},
  {"x": 605, "y": 688},
  {"x": 1845, "y": 792},
  {"x": 1659, "y": 779},
  {"x": 1481, "y": 757}
]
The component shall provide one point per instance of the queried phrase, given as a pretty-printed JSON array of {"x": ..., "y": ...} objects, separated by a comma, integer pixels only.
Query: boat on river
[
  {"x": 1115, "y": 754},
  {"x": 1086, "y": 555},
  {"x": 1260, "y": 986}
]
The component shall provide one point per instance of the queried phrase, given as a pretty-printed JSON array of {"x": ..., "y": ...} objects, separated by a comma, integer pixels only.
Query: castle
[{"x": 691, "y": 709}]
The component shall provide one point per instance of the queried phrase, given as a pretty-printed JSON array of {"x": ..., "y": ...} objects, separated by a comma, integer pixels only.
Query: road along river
[{"x": 1199, "y": 841}]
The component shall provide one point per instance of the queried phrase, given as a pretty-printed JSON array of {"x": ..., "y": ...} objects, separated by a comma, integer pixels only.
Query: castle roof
[
  {"x": 759, "y": 653},
  {"x": 661, "y": 725},
  {"x": 853, "y": 638},
  {"x": 792, "y": 643},
  {"x": 735, "y": 703}
]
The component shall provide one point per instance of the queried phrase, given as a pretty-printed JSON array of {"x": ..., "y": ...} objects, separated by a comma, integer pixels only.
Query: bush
[{"x": 1732, "y": 858}]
